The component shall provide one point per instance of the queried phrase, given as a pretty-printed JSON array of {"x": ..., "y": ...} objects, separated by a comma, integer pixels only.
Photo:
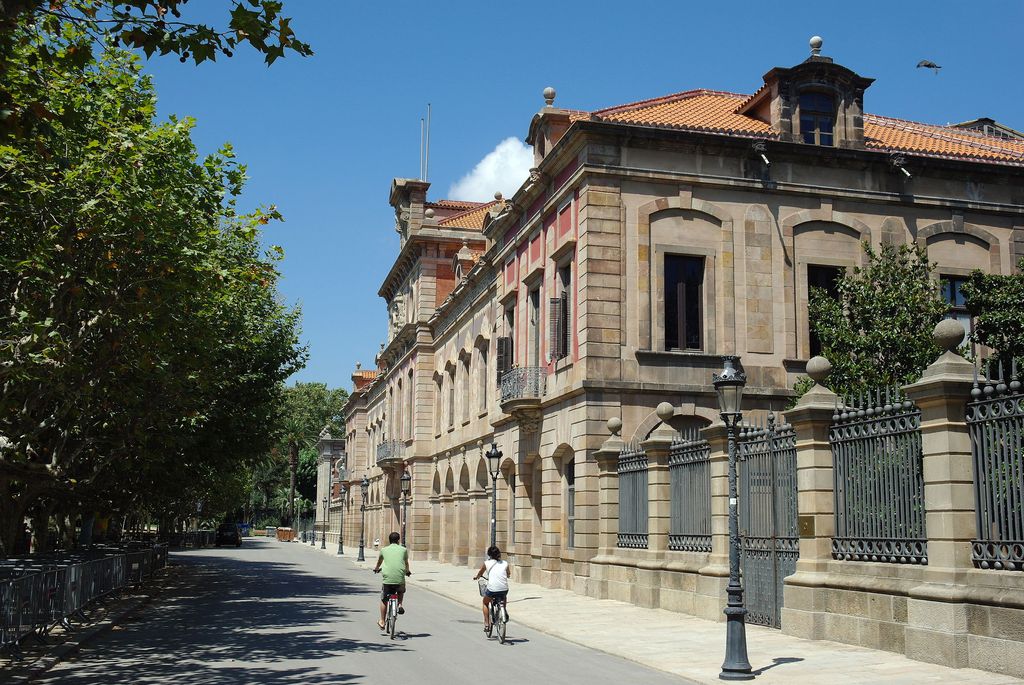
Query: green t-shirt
[{"x": 393, "y": 568}]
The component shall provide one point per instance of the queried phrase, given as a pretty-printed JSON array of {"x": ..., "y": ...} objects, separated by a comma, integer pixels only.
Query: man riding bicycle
[{"x": 394, "y": 562}]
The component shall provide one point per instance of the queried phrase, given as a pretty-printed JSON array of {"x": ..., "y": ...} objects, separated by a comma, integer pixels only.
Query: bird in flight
[{"x": 928, "y": 64}]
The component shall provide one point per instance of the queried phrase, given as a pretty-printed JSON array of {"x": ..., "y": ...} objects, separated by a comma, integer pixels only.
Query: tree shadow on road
[{"x": 228, "y": 621}]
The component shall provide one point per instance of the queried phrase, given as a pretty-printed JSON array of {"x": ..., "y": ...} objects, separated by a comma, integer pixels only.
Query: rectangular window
[
  {"x": 511, "y": 509},
  {"x": 825, "y": 278},
  {"x": 561, "y": 320},
  {"x": 451, "y": 399},
  {"x": 534, "y": 330},
  {"x": 465, "y": 390},
  {"x": 438, "y": 395},
  {"x": 684, "y": 303},
  {"x": 952, "y": 293},
  {"x": 570, "y": 493},
  {"x": 817, "y": 118},
  {"x": 482, "y": 372}
]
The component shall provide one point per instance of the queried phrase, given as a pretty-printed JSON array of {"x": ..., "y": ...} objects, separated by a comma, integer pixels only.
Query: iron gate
[{"x": 769, "y": 545}]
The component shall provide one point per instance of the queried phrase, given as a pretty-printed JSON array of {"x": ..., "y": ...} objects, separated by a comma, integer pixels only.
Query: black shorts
[
  {"x": 387, "y": 590},
  {"x": 498, "y": 594}
]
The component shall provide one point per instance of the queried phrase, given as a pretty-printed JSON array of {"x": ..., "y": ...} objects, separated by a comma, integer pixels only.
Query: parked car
[{"x": 228, "y": 534}]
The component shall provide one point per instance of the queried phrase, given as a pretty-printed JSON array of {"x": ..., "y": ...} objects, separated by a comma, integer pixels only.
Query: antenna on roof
[
  {"x": 421, "y": 149},
  {"x": 426, "y": 151}
]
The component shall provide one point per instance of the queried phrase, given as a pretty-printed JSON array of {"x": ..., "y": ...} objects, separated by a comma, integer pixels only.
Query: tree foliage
[
  {"x": 144, "y": 344},
  {"x": 997, "y": 304},
  {"x": 878, "y": 331},
  {"x": 64, "y": 34}
]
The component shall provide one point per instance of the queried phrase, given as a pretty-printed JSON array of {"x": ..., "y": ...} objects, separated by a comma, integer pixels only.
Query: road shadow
[{"x": 230, "y": 621}]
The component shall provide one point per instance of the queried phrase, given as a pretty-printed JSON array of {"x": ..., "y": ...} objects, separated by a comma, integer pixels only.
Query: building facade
[{"x": 650, "y": 239}]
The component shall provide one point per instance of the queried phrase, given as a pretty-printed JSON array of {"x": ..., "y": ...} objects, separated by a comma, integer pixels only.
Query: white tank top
[{"x": 497, "y": 575}]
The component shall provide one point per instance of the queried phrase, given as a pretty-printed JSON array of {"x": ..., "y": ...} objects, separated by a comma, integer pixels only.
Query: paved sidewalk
[{"x": 679, "y": 644}]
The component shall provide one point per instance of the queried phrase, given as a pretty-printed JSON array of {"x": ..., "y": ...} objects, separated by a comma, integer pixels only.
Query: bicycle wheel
[
  {"x": 393, "y": 614},
  {"x": 501, "y": 626}
]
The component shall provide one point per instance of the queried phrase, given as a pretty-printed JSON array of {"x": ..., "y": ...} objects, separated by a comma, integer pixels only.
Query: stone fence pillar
[
  {"x": 659, "y": 504},
  {"x": 937, "y": 618},
  {"x": 608, "y": 489},
  {"x": 803, "y": 611}
]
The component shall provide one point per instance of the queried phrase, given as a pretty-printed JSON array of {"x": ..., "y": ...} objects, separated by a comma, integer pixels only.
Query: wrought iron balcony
[
  {"x": 390, "y": 452},
  {"x": 522, "y": 387}
]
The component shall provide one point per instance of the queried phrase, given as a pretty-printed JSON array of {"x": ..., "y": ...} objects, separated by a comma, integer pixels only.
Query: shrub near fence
[{"x": 39, "y": 593}]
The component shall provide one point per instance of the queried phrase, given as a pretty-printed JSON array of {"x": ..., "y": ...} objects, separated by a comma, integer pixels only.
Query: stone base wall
[{"x": 978, "y": 622}]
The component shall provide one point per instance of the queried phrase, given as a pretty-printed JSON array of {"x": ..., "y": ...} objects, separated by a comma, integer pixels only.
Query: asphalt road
[{"x": 275, "y": 613}]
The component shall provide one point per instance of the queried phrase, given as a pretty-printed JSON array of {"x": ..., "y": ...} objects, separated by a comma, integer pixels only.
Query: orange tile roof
[
  {"x": 461, "y": 205},
  {"x": 471, "y": 218},
  {"x": 716, "y": 112},
  {"x": 695, "y": 110}
]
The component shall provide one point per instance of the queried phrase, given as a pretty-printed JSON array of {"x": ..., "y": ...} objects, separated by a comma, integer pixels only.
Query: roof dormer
[
  {"x": 817, "y": 102},
  {"x": 547, "y": 127}
]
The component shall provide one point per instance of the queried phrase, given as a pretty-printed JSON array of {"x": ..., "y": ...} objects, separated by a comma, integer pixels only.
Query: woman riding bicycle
[{"x": 497, "y": 572}]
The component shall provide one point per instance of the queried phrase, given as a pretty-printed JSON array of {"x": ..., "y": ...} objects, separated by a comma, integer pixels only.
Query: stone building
[{"x": 650, "y": 239}]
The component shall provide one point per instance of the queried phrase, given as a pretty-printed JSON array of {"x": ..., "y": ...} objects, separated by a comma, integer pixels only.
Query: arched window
[{"x": 817, "y": 117}]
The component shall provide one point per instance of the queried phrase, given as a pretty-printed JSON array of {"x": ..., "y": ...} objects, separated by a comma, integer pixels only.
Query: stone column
[
  {"x": 937, "y": 618},
  {"x": 711, "y": 583},
  {"x": 803, "y": 612},
  {"x": 659, "y": 504}
]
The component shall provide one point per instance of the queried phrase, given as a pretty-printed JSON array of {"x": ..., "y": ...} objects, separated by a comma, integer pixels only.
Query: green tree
[
  {"x": 64, "y": 34},
  {"x": 308, "y": 408},
  {"x": 144, "y": 344},
  {"x": 997, "y": 304},
  {"x": 878, "y": 331}
]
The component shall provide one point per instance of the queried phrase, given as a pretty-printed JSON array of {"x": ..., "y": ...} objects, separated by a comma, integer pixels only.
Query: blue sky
[{"x": 323, "y": 136}]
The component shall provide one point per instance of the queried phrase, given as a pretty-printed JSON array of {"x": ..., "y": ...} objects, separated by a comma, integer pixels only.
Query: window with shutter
[
  {"x": 503, "y": 347},
  {"x": 555, "y": 328}
]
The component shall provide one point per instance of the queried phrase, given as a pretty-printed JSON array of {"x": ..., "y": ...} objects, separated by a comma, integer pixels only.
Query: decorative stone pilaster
[
  {"x": 937, "y": 625},
  {"x": 803, "y": 611},
  {"x": 659, "y": 504},
  {"x": 607, "y": 458}
]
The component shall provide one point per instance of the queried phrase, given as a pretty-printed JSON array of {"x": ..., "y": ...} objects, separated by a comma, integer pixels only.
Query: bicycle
[
  {"x": 391, "y": 616},
  {"x": 391, "y": 619},
  {"x": 499, "y": 618}
]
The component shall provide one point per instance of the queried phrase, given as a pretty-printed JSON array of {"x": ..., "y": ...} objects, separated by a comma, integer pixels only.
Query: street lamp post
[
  {"x": 341, "y": 523},
  {"x": 406, "y": 481},
  {"x": 494, "y": 462},
  {"x": 729, "y": 386},
  {"x": 364, "y": 486},
  {"x": 323, "y": 536}
]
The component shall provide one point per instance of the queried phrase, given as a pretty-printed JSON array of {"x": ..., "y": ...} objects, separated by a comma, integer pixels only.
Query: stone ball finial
[
  {"x": 549, "y": 96},
  {"x": 359, "y": 365},
  {"x": 614, "y": 425},
  {"x": 815, "y": 44},
  {"x": 948, "y": 334},
  {"x": 818, "y": 368},
  {"x": 429, "y": 213},
  {"x": 498, "y": 196},
  {"x": 665, "y": 411}
]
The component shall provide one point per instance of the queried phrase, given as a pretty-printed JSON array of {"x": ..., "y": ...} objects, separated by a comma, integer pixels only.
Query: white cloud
[{"x": 504, "y": 168}]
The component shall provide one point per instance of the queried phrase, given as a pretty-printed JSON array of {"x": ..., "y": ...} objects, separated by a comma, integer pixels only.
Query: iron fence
[
  {"x": 995, "y": 416},
  {"x": 523, "y": 382},
  {"x": 879, "y": 487},
  {"x": 769, "y": 543},
  {"x": 632, "y": 497},
  {"x": 39, "y": 593},
  {"x": 689, "y": 468}
]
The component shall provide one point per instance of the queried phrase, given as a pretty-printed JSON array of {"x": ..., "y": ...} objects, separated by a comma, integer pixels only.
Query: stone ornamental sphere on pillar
[
  {"x": 665, "y": 411},
  {"x": 815, "y": 44},
  {"x": 549, "y": 96},
  {"x": 614, "y": 425},
  {"x": 818, "y": 368},
  {"x": 948, "y": 334}
]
